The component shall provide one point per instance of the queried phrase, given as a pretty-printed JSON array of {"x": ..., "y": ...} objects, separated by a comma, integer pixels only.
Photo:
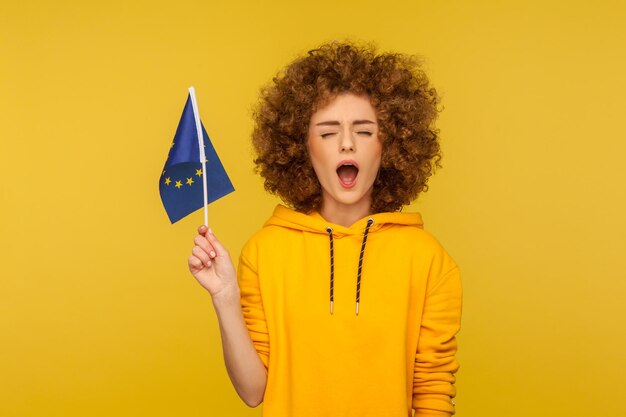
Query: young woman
[{"x": 341, "y": 305}]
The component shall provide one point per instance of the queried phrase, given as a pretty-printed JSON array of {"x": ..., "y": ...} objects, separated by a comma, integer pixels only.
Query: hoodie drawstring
[
  {"x": 370, "y": 222},
  {"x": 329, "y": 230}
]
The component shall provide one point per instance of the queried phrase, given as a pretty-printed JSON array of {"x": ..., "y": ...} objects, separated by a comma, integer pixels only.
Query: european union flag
[{"x": 180, "y": 184}]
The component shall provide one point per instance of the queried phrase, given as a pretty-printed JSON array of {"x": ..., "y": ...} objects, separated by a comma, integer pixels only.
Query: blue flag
[{"x": 180, "y": 184}]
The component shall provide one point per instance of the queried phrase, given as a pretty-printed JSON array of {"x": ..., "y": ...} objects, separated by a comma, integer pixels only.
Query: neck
[{"x": 345, "y": 214}]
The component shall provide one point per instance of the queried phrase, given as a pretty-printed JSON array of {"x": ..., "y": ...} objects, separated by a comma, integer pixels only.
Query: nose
[{"x": 346, "y": 143}]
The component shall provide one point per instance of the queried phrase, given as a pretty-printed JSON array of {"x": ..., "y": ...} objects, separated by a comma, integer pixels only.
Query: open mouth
[{"x": 347, "y": 173}]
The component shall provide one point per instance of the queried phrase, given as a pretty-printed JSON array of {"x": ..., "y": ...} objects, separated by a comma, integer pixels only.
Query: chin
[{"x": 351, "y": 200}]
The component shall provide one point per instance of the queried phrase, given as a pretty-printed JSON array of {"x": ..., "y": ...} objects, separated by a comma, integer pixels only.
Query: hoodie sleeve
[
  {"x": 252, "y": 307},
  {"x": 435, "y": 362}
]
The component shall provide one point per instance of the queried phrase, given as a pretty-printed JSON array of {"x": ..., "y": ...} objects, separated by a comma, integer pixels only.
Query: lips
[{"x": 347, "y": 172}]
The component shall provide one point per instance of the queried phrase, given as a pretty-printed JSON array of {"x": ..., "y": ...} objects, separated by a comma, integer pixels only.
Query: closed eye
[
  {"x": 364, "y": 132},
  {"x": 325, "y": 135}
]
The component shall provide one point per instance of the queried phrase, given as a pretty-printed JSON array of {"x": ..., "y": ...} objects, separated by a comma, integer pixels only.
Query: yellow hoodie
[{"x": 396, "y": 354}]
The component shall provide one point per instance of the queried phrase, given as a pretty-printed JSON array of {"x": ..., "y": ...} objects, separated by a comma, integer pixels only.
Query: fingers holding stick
[
  {"x": 201, "y": 254},
  {"x": 220, "y": 250},
  {"x": 203, "y": 243},
  {"x": 206, "y": 240}
]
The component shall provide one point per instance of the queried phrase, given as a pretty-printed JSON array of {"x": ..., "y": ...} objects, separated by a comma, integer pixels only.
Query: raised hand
[{"x": 212, "y": 267}]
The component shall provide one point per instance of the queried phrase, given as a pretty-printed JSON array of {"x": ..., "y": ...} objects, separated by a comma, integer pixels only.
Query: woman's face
[{"x": 345, "y": 152}]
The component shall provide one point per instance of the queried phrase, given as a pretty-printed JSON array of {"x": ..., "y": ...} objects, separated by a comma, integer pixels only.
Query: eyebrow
[{"x": 336, "y": 123}]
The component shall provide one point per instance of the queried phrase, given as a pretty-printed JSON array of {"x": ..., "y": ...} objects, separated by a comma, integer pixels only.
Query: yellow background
[{"x": 98, "y": 314}]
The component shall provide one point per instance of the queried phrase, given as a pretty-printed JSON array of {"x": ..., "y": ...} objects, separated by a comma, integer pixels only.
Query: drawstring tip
[
  {"x": 357, "y": 308},
  {"x": 331, "y": 307}
]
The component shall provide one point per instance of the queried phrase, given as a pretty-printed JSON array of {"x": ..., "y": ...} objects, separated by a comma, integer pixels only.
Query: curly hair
[{"x": 406, "y": 106}]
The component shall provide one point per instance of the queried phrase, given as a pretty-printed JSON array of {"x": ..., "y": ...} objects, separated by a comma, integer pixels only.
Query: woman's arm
[
  {"x": 435, "y": 359},
  {"x": 212, "y": 267}
]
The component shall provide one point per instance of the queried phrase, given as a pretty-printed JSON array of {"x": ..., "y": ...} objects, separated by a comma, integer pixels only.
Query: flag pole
[{"x": 196, "y": 115}]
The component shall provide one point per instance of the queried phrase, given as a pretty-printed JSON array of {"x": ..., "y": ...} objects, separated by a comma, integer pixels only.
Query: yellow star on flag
[
  {"x": 199, "y": 172},
  {"x": 189, "y": 181},
  {"x": 178, "y": 184},
  {"x": 168, "y": 181}
]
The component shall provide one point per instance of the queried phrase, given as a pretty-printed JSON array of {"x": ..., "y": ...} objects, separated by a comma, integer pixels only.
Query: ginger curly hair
[{"x": 405, "y": 103}]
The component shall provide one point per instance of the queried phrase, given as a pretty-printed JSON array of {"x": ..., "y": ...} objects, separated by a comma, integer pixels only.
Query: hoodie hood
[{"x": 315, "y": 223}]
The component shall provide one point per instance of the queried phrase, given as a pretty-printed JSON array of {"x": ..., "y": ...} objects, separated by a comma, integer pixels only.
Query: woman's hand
[{"x": 211, "y": 265}]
